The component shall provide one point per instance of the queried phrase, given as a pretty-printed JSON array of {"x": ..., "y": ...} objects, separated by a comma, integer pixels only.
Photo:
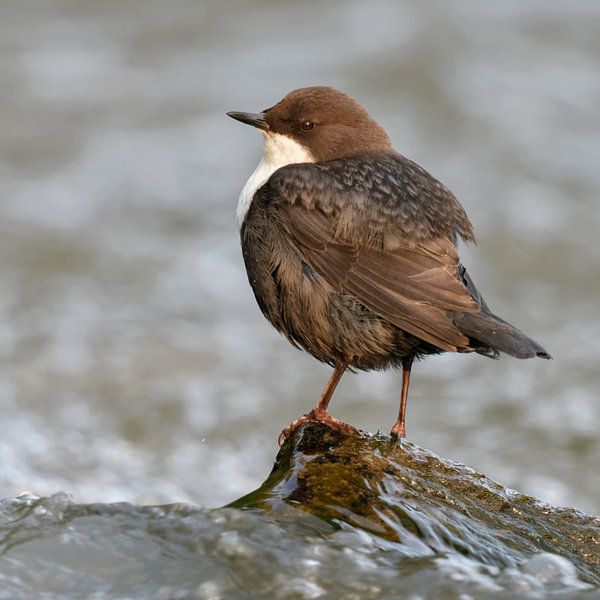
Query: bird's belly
[{"x": 330, "y": 324}]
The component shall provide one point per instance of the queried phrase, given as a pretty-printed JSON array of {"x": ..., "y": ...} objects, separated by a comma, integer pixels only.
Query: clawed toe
[
  {"x": 398, "y": 432},
  {"x": 316, "y": 417}
]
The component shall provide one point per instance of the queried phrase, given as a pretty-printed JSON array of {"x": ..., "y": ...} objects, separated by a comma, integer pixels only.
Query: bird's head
[{"x": 316, "y": 124}]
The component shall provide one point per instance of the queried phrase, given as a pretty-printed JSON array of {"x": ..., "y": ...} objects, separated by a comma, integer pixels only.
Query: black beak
[{"x": 254, "y": 119}]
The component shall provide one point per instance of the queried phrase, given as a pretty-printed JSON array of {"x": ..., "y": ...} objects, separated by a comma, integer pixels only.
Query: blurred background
[{"x": 134, "y": 362}]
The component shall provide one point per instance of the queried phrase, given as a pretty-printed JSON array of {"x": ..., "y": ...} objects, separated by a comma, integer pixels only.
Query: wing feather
[{"x": 412, "y": 282}]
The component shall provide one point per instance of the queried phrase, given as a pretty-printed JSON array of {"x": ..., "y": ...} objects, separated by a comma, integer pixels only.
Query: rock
[{"x": 421, "y": 503}]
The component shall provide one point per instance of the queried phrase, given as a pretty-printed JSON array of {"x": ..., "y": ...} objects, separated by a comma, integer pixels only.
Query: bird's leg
[
  {"x": 320, "y": 409},
  {"x": 399, "y": 429},
  {"x": 319, "y": 412}
]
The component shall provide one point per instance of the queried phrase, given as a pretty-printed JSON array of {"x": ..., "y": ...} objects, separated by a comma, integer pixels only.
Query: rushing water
[
  {"x": 337, "y": 518},
  {"x": 135, "y": 365}
]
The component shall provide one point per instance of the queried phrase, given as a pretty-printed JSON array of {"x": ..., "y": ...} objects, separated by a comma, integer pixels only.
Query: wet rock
[{"x": 423, "y": 504}]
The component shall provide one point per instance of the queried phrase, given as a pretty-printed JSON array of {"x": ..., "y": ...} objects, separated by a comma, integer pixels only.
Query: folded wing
[{"x": 360, "y": 242}]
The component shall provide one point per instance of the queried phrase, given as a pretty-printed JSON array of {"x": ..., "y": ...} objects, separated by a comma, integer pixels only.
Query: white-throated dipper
[{"x": 350, "y": 248}]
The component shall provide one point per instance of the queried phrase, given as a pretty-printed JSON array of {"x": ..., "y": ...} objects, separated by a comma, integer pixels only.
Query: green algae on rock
[{"x": 408, "y": 496}]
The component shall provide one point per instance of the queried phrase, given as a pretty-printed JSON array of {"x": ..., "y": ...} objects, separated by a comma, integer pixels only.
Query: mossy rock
[{"x": 408, "y": 496}]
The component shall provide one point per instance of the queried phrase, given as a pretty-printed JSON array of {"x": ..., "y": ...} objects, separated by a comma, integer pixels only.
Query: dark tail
[{"x": 493, "y": 333}]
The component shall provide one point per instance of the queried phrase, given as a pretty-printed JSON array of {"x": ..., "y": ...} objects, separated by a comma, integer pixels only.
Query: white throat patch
[{"x": 279, "y": 151}]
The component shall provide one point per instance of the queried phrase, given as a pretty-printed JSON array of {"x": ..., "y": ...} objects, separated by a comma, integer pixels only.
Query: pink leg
[
  {"x": 399, "y": 429},
  {"x": 319, "y": 412}
]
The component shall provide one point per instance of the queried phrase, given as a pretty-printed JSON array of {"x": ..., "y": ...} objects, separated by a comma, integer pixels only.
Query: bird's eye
[{"x": 307, "y": 126}]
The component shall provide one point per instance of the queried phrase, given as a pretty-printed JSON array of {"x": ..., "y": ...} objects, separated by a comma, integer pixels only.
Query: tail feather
[{"x": 493, "y": 333}]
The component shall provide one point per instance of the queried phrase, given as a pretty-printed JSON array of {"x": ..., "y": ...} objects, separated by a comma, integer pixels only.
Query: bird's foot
[
  {"x": 315, "y": 416},
  {"x": 398, "y": 432}
]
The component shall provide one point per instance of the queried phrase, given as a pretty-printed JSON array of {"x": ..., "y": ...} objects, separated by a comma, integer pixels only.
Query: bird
[{"x": 351, "y": 249}]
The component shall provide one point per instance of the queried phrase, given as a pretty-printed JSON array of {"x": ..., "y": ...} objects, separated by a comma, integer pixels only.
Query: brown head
[{"x": 324, "y": 122}]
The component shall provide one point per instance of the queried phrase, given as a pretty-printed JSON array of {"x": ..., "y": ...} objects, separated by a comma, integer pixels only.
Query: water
[
  {"x": 136, "y": 366},
  {"x": 337, "y": 518}
]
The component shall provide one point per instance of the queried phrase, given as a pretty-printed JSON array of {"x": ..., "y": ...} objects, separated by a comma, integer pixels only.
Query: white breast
[{"x": 279, "y": 150}]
